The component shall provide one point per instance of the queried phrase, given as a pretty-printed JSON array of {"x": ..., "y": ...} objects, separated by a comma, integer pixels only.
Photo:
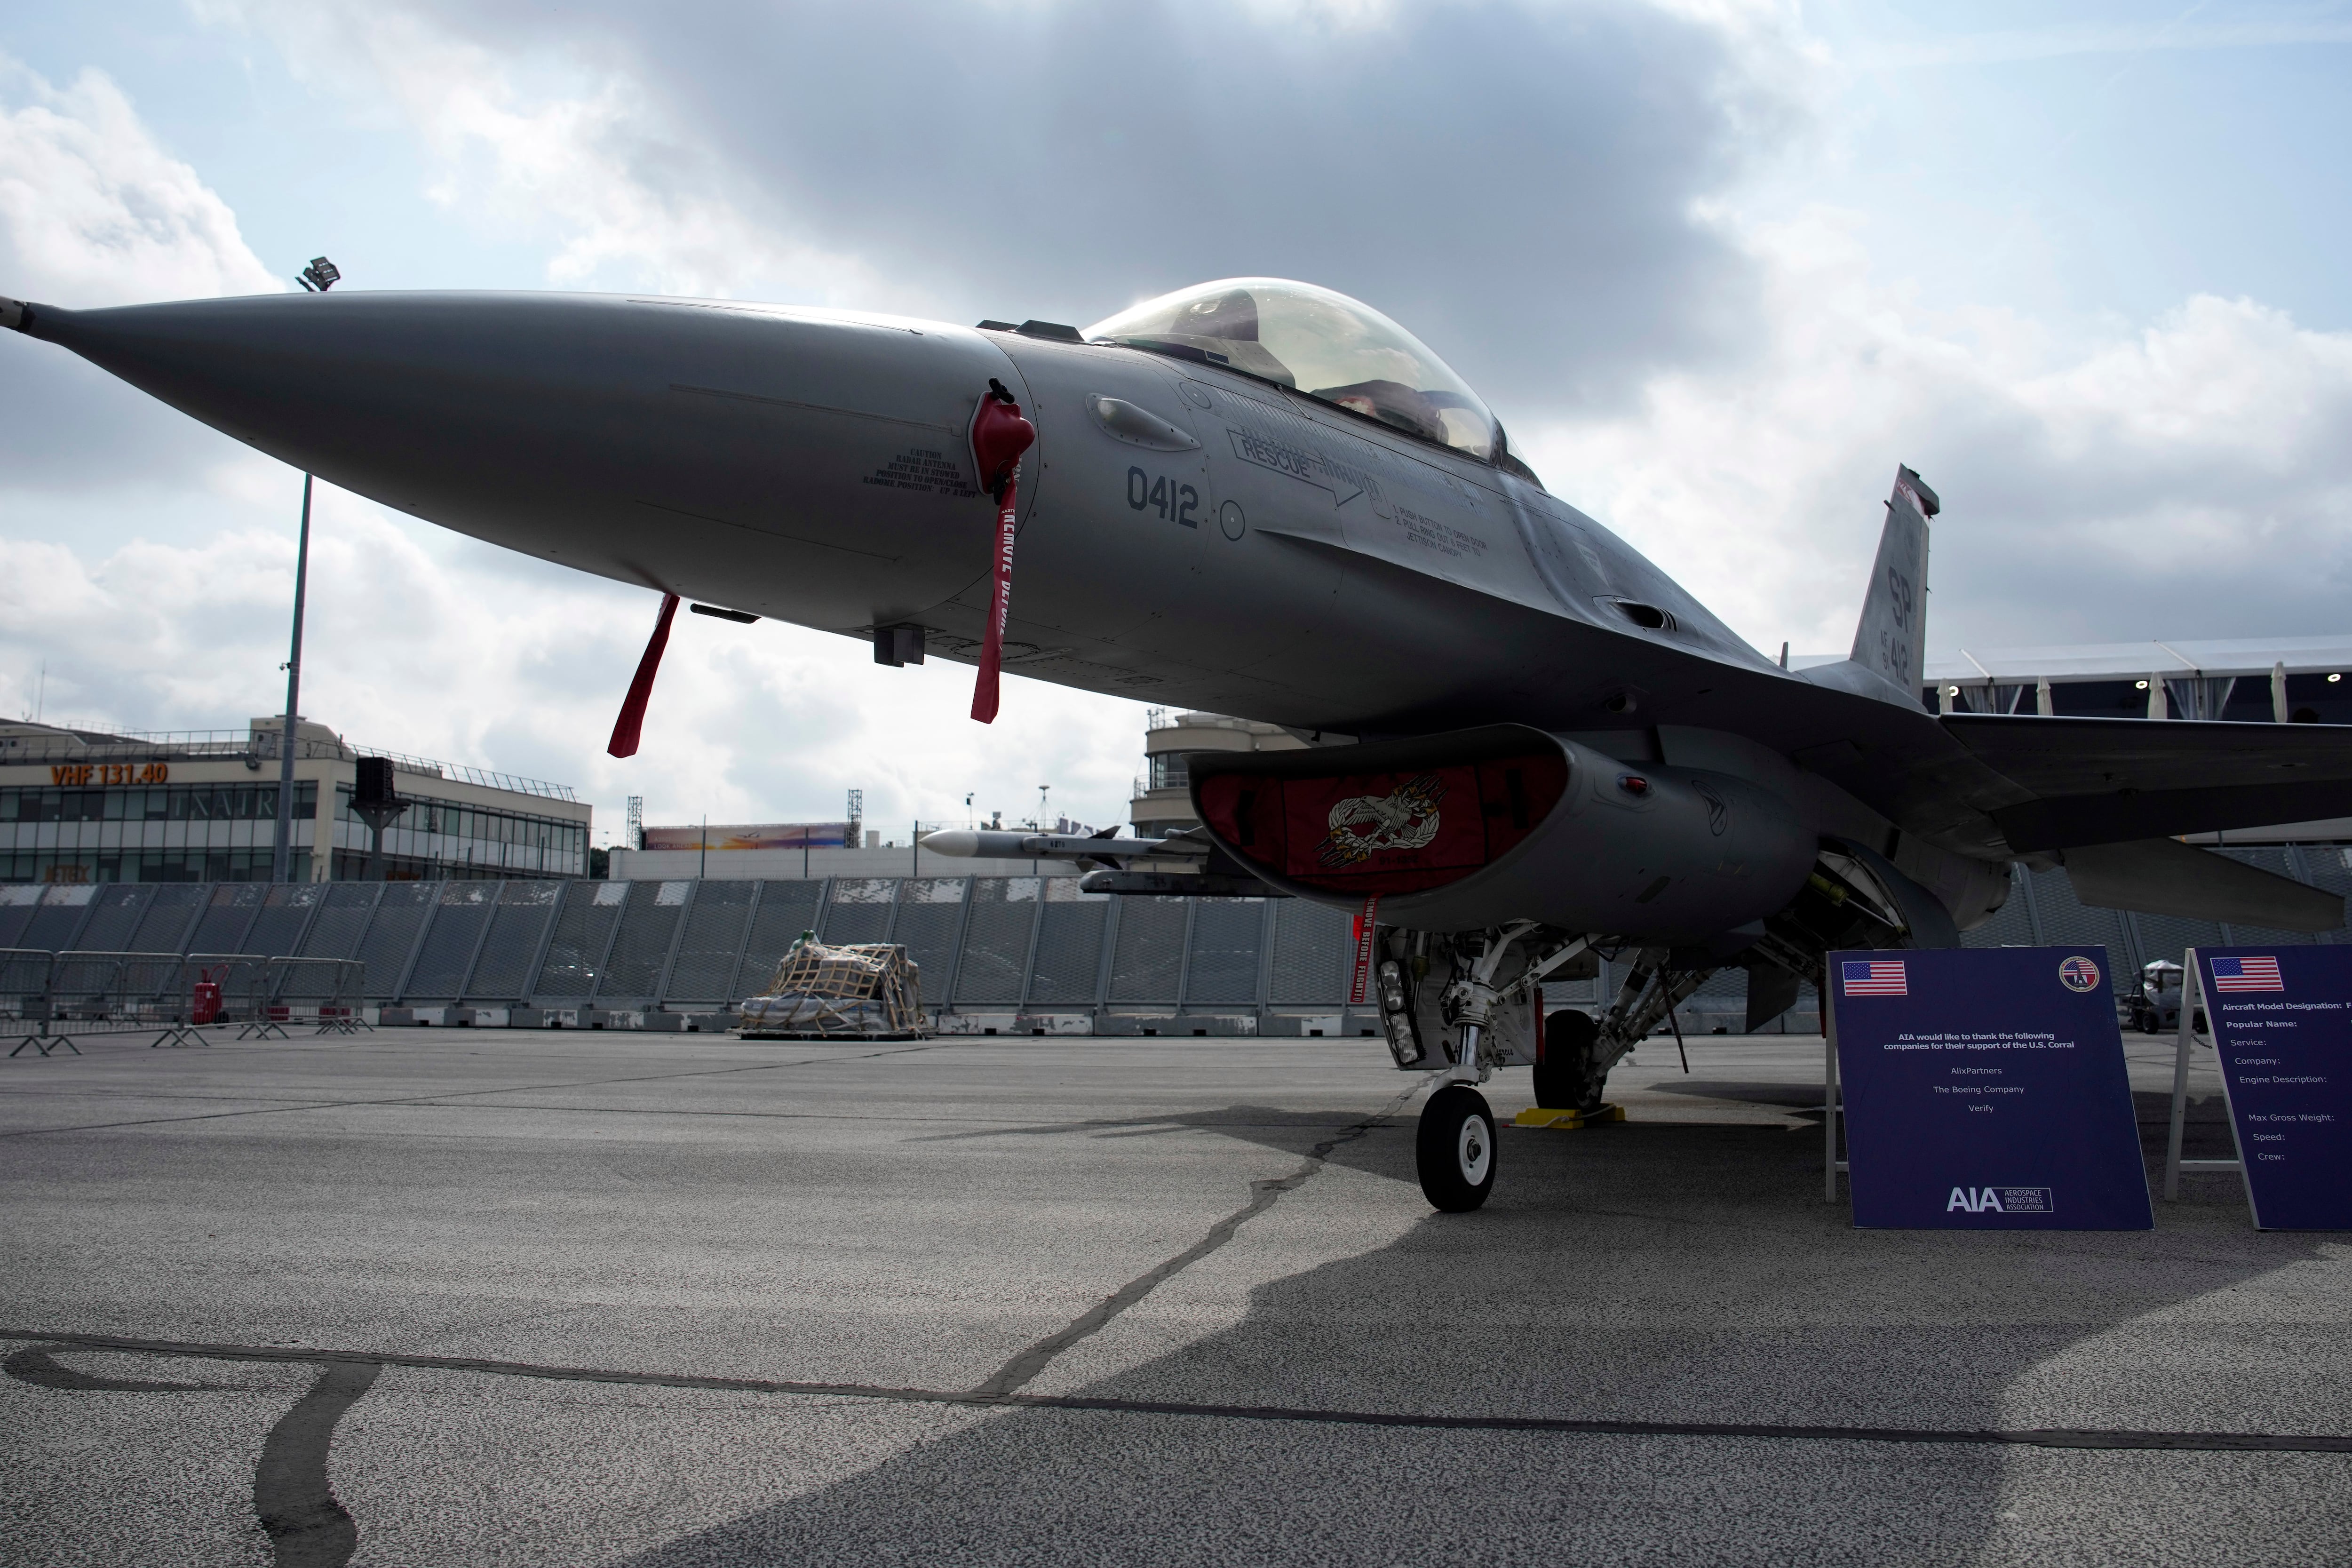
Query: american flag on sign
[
  {"x": 2247, "y": 975},
  {"x": 1873, "y": 977}
]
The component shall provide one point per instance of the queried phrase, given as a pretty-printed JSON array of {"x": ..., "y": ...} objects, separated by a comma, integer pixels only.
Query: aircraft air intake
[{"x": 1480, "y": 826}]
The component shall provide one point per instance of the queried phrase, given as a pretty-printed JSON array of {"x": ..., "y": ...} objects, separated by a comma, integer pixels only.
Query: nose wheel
[{"x": 1453, "y": 1151}]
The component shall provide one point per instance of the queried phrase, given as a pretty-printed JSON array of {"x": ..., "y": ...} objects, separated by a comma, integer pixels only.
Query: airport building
[
  {"x": 83, "y": 806},
  {"x": 2260, "y": 680},
  {"x": 1162, "y": 799},
  {"x": 2279, "y": 680}
]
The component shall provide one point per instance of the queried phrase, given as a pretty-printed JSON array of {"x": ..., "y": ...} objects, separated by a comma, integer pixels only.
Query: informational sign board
[
  {"x": 1985, "y": 1089},
  {"x": 2281, "y": 1021}
]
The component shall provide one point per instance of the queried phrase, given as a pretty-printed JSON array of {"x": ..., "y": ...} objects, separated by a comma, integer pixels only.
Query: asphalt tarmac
[{"x": 428, "y": 1297}]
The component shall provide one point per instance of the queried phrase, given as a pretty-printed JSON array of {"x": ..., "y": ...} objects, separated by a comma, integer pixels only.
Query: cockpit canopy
[{"x": 1321, "y": 343}]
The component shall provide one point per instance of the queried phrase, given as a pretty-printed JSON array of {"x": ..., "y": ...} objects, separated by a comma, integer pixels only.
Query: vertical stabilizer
[{"x": 1891, "y": 640}]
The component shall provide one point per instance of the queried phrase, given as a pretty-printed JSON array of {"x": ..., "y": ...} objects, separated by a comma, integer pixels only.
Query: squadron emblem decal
[{"x": 1363, "y": 826}]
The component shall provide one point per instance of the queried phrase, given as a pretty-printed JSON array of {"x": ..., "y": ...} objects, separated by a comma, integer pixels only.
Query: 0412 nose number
[{"x": 1147, "y": 493}]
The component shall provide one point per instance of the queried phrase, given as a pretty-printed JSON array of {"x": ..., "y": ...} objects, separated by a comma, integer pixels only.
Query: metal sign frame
[{"x": 2290, "y": 1191}]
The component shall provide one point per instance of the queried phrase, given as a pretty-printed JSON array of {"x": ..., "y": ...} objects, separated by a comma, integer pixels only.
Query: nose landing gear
[{"x": 1453, "y": 1151}]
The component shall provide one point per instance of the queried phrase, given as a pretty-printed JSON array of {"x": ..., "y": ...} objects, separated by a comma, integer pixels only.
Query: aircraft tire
[
  {"x": 1454, "y": 1150},
  {"x": 1561, "y": 1076}
]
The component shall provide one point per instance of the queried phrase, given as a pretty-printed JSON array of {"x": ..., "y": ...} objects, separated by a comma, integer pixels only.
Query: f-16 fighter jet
[{"x": 1526, "y": 743}]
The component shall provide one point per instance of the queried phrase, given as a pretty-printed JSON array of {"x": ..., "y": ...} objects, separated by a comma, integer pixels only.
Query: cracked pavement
[{"x": 449, "y": 1296}]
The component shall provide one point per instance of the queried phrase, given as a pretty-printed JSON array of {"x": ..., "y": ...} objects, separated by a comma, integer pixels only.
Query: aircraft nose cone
[
  {"x": 626, "y": 437},
  {"x": 252, "y": 368}
]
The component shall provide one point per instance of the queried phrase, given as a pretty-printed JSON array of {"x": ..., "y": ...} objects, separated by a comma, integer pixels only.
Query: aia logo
[{"x": 1999, "y": 1200}]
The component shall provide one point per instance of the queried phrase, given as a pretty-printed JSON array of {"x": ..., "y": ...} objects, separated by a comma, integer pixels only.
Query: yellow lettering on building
[{"x": 110, "y": 773}]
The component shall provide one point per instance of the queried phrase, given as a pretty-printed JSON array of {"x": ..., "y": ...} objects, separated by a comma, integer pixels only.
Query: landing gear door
[
  {"x": 1512, "y": 1029},
  {"x": 1512, "y": 1033}
]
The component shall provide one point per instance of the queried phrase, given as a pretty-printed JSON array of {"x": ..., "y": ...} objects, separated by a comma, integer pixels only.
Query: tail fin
[{"x": 1891, "y": 640}]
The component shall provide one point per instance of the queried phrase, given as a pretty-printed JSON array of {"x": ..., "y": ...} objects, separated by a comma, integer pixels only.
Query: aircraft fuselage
[{"x": 1188, "y": 534}]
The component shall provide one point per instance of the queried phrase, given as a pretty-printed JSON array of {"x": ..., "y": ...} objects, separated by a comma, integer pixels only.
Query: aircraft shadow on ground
[
  {"x": 1299, "y": 1133},
  {"x": 1654, "y": 1272},
  {"x": 2205, "y": 1122}
]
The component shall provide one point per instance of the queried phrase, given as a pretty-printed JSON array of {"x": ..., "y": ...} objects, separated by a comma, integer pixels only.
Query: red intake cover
[{"x": 1385, "y": 833}]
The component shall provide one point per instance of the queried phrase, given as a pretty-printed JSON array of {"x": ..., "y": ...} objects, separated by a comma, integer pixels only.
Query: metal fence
[
  {"x": 996, "y": 953},
  {"x": 990, "y": 948},
  {"x": 49, "y": 999}
]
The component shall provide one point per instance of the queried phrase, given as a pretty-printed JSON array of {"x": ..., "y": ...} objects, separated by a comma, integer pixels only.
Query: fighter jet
[{"x": 1525, "y": 745}]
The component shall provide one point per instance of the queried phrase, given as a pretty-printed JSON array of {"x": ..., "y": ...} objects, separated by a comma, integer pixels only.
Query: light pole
[
  {"x": 315, "y": 279},
  {"x": 281, "y": 855}
]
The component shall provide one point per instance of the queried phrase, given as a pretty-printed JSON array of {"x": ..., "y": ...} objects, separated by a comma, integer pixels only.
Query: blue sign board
[
  {"x": 1985, "y": 1089},
  {"x": 2282, "y": 1020}
]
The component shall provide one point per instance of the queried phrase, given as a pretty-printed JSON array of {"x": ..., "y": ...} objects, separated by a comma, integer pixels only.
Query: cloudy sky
[{"x": 1719, "y": 264}]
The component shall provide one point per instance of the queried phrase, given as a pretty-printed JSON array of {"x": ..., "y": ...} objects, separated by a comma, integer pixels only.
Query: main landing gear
[{"x": 1569, "y": 1074}]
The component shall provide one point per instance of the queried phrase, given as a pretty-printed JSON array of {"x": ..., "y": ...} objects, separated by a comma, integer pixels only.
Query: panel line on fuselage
[
  {"x": 811, "y": 407},
  {"x": 766, "y": 532}
]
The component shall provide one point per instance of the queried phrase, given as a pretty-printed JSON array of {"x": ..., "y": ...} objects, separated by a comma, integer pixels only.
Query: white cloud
[
  {"x": 566, "y": 149},
  {"x": 424, "y": 643},
  {"x": 2172, "y": 33},
  {"x": 421, "y": 641},
  {"x": 94, "y": 212},
  {"x": 1515, "y": 178},
  {"x": 2188, "y": 476},
  {"x": 2192, "y": 477}
]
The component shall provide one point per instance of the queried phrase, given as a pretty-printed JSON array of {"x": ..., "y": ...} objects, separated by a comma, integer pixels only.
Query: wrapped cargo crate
[{"x": 822, "y": 992}]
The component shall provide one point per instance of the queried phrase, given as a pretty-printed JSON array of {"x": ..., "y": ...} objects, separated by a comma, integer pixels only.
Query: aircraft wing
[{"x": 2107, "y": 781}]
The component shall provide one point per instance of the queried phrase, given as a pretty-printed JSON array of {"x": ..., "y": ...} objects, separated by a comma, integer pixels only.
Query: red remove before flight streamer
[{"x": 998, "y": 436}]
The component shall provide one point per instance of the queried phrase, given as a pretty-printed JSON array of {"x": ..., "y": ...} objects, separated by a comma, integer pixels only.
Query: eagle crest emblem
[{"x": 1363, "y": 826}]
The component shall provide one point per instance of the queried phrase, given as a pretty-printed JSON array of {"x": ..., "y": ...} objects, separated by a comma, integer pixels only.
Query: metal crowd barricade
[
  {"x": 201, "y": 991},
  {"x": 327, "y": 988},
  {"x": 80, "y": 992},
  {"x": 25, "y": 998},
  {"x": 339, "y": 1013},
  {"x": 150, "y": 994},
  {"x": 49, "y": 999},
  {"x": 84, "y": 986},
  {"x": 238, "y": 990}
]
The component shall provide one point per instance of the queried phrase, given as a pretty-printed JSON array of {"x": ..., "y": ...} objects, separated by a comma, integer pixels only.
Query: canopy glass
[{"x": 1321, "y": 343}]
